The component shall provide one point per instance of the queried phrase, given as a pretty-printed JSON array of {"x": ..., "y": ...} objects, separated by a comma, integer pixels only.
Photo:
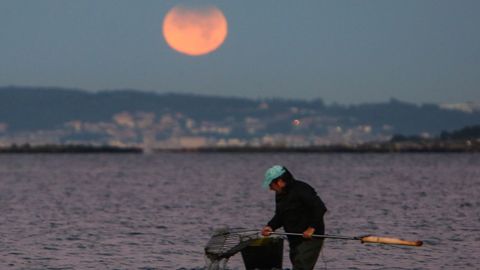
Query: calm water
[{"x": 158, "y": 211}]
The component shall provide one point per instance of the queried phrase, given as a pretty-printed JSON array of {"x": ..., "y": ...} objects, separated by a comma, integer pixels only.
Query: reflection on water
[
  {"x": 158, "y": 211},
  {"x": 216, "y": 264}
]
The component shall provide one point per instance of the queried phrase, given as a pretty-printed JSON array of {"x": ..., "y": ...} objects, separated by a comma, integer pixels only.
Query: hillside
[{"x": 129, "y": 116}]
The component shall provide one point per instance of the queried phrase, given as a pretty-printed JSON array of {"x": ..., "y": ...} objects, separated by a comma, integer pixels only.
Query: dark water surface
[{"x": 158, "y": 211}]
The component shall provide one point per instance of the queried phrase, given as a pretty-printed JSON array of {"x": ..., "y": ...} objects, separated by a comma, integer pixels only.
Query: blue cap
[{"x": 272, "y": 174}]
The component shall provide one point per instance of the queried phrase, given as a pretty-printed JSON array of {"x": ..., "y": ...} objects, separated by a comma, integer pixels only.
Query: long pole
[
  {"x": 363, "y": 239},
  {"x": 318, "y": 235}
]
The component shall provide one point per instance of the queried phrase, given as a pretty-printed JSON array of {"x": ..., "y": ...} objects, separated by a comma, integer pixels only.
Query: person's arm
[
  {"x": 271, "y": 226},
  {"x": 313, "y": 201},
  {"x": 275, "y": 222}
]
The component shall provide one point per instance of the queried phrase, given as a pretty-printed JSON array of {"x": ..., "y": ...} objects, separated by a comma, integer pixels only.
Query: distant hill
[
  {"x": 29, "y": 109},
  {"x": 25, "y": 108}
]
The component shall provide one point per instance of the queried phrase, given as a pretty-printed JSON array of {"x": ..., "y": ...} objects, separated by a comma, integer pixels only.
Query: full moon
[{"x": 195, "y": 31}]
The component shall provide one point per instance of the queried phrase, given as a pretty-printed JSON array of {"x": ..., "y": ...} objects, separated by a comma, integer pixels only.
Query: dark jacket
[{"x": 297, "y": 208}]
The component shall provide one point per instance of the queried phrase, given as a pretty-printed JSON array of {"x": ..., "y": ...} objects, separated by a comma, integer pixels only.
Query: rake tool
[{"x": 226, "y": 242}]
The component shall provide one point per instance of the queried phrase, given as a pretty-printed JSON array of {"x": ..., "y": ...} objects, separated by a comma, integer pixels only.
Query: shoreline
[{"x": 387, "y": 147}]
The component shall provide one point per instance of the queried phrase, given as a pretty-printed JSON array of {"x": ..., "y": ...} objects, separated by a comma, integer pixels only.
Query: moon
[{"x": 195, "y": 31}]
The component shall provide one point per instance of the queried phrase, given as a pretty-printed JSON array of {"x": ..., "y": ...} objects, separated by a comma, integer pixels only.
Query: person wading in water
[{"x": 298, "y": 209}]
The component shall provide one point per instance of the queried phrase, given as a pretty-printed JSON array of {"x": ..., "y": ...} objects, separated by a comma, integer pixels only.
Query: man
[{"x": 298, "y": 209}]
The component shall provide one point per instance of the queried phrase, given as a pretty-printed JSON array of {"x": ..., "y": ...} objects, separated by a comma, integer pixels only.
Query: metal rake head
[{"x": 224, "y": 243}]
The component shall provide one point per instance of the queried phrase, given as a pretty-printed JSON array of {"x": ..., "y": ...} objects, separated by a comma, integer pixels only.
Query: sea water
[{"x": 134, "y": 211}]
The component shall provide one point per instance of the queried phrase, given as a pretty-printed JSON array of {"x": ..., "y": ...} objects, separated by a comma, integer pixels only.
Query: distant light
[{"x": 296, "y": 122}]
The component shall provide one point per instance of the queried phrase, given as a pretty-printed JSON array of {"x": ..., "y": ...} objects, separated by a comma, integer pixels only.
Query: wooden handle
[{"x": 389, "y": 240}]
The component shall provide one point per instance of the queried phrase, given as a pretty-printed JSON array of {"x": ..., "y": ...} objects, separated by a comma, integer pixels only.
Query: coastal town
[
  {"x": 144, "y": 132},
  {"x": 168, "y": 122}
]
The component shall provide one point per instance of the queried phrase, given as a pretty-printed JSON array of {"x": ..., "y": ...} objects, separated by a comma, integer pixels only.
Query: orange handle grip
[{"x": 390, "y": 241}]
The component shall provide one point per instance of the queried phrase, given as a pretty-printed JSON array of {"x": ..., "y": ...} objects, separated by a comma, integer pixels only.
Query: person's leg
[{"x": 305, "y": 255}]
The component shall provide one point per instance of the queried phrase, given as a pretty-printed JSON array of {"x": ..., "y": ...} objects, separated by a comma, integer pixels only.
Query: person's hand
[
  {"x": 308, "y": 232},
  {"x": 267, "y": 230}
]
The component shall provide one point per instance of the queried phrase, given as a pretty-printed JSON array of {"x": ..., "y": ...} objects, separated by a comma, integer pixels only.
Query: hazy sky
[{"x": 340, "y": 51}]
